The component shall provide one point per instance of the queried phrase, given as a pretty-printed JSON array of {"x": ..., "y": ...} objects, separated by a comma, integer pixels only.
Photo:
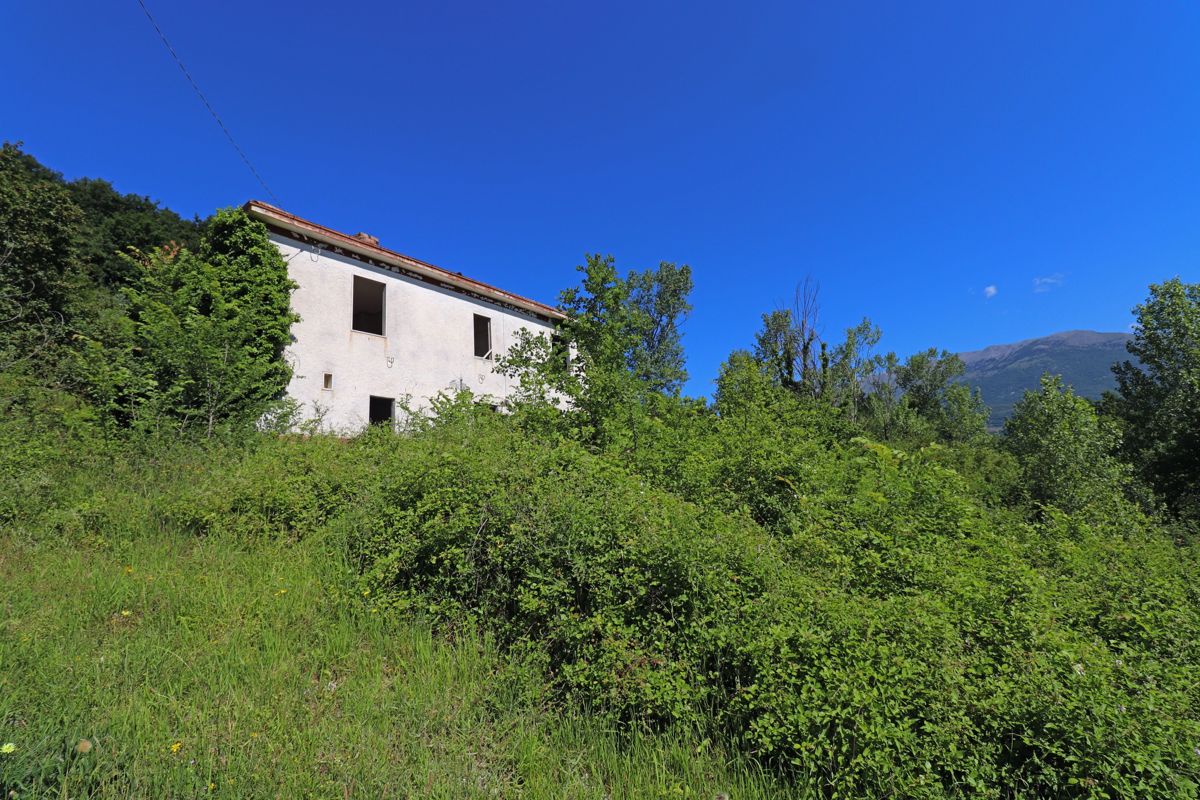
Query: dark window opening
[
  {"x": 381, "y": 410},
  {"x": 483, "y": 336},
  {"x": 368, "y": 306},
  {"x": 328, "y": 383}
]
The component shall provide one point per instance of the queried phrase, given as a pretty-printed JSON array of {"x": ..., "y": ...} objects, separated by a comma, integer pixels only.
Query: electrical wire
[{"x": 207, "y": 104}]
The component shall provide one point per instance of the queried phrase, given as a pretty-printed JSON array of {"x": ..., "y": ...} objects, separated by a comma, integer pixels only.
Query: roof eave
[{"x": 279, "y": 218}]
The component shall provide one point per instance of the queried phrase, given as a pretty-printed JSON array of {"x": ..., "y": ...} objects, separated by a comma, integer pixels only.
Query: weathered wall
[{"x": 427, "y": 346}]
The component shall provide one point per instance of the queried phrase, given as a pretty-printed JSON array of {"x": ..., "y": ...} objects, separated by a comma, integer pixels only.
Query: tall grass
[
  {"x": 153, "y": 643},
  {"x": 169, "y": 666}
]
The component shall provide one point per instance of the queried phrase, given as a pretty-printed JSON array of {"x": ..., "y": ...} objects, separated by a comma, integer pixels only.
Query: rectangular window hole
[
  {"x": 328, "y": 381},
  {"x": 483, "y": 336},
  {"x": 381, "y": 410},
  {"x": 368, "y": 305}
]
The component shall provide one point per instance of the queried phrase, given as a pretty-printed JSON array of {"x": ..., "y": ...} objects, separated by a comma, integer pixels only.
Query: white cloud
[
  {"x": 1047, "y": 282},
  {"x": 990, "y": 291}
]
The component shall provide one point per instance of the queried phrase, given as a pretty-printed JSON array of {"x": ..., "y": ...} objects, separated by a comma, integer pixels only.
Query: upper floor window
[
  {"x": 368, "y": 306},
  {"x": 483, "y": 336}
]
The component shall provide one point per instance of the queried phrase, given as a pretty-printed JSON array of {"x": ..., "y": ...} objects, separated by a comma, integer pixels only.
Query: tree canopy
[{"x": 1159, "y": 396}]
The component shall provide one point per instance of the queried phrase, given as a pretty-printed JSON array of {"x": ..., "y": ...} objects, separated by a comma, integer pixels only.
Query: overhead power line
[{"x": 208, "y": 105}]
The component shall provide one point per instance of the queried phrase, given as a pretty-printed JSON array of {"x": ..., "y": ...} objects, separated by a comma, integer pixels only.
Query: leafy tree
[
  {"x": 924, "y": 378},
  {"x": 789, "y": 344},
  {"x": 929, "y": 383},
  {"x": 1159, "y": 401},
  {"x": 964, "y": 415},
  {"x": 114, "y": 222},
  {"x": 1064, "y": 449},
  {"x": 777, "y": 347},
  {"x": 743, "y": 382},
  {"x": 39, "y": 257},
  {"x": 659, "y": 300},
  {"x": 854, "y": 366},
  {"x": 603, "y": 328},
  {"x": 209, "y": 328},
  {"x": 624, "y": 346},
  {"x": 919, "y": 400},
  {"x": 61, "y": 261},
  {"x": 884, "y": 408}
]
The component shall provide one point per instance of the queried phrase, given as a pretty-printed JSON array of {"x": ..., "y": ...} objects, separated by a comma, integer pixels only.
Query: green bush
[
  {"x": 855, "y": 617},
  {"x": 883, "y": 637}
]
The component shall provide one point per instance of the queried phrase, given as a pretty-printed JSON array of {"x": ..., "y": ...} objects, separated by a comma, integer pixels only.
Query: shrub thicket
[
  {"x": 883, "y": 634},
  {"x": 879, "y": 632}
]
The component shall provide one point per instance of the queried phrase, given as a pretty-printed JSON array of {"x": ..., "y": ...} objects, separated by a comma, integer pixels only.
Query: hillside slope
[
  {"x": 170, "y": 665},
  {"x": 1004, "y": 372}
]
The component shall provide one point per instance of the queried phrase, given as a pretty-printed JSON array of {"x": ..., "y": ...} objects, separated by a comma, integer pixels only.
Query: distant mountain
[{"x": 1004, "y": 371}]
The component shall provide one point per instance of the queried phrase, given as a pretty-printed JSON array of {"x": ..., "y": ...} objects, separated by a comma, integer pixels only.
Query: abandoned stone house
[{"x": 377, "y": 327}]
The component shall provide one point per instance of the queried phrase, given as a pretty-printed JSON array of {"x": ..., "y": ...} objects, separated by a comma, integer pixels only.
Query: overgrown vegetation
[
  {"x": 139, "y": 659},
  {"x": 828, "y": 582}
]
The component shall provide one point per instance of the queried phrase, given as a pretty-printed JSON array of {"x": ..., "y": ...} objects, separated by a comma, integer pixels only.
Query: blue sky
[{"x": 906, "y": 155}]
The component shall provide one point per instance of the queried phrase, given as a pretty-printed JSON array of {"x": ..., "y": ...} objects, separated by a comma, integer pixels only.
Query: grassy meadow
[{"x": 171, "y": 666}]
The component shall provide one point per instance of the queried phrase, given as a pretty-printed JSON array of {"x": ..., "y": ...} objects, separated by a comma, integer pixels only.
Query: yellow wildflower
[
  {"x": 176, "y": 746},
  {"x": 8, "y": 747}
]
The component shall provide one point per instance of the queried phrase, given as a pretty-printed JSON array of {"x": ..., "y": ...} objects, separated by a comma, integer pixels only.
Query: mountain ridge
[{"x": 1084, "y": 358}]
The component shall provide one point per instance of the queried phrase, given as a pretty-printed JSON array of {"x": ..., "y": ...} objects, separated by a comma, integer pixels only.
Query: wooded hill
[{"x": 1004, "y": 372}]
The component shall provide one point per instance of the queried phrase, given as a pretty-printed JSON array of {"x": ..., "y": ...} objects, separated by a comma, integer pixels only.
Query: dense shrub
[
  {"x": 867, "y": 626},
  {"x": 1063, "y": 448},
  {"x": 882, "y": 637}
]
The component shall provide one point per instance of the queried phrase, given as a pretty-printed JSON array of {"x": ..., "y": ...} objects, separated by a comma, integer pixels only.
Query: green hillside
[
  {"x": 146, "y": 661},
  {"x": 829, "y": 581},
  {"x": 1003, "y": 373}
]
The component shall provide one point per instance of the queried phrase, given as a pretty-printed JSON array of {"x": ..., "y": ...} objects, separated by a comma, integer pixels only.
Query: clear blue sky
[{"x": 907, "y": 155}]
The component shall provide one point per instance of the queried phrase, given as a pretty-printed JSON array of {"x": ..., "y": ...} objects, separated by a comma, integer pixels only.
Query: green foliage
[
  {"x": 914, "y": 402},
  {"x": 43, "y": 432},
  {"x": 1160, "y": 396},
  {"x": 1064, "y": 449},
  {"x": 625, "y": 336},
  {"x": 852, "y": 615},
  {"x": 39, "y": 260},
  {"x": 780, "y": 347},
  {"x": 879, "y": 636},
  {"x": 854, "y": 366},
  {"x": 62, "y": 259},
  {"x": 142, "y": 660},
  {"x": 659, "y": 302},
  {"x": 209, "y": 329},
  {"x": 788, "y": 343},
  {"x": 855, "y": 618},
  {"x": 928, "y": 381},
  {"x": 114, "y": 222}
]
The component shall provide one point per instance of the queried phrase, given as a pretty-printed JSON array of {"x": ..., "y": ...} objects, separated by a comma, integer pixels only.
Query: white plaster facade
[{"x": 428, "y": 340}]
